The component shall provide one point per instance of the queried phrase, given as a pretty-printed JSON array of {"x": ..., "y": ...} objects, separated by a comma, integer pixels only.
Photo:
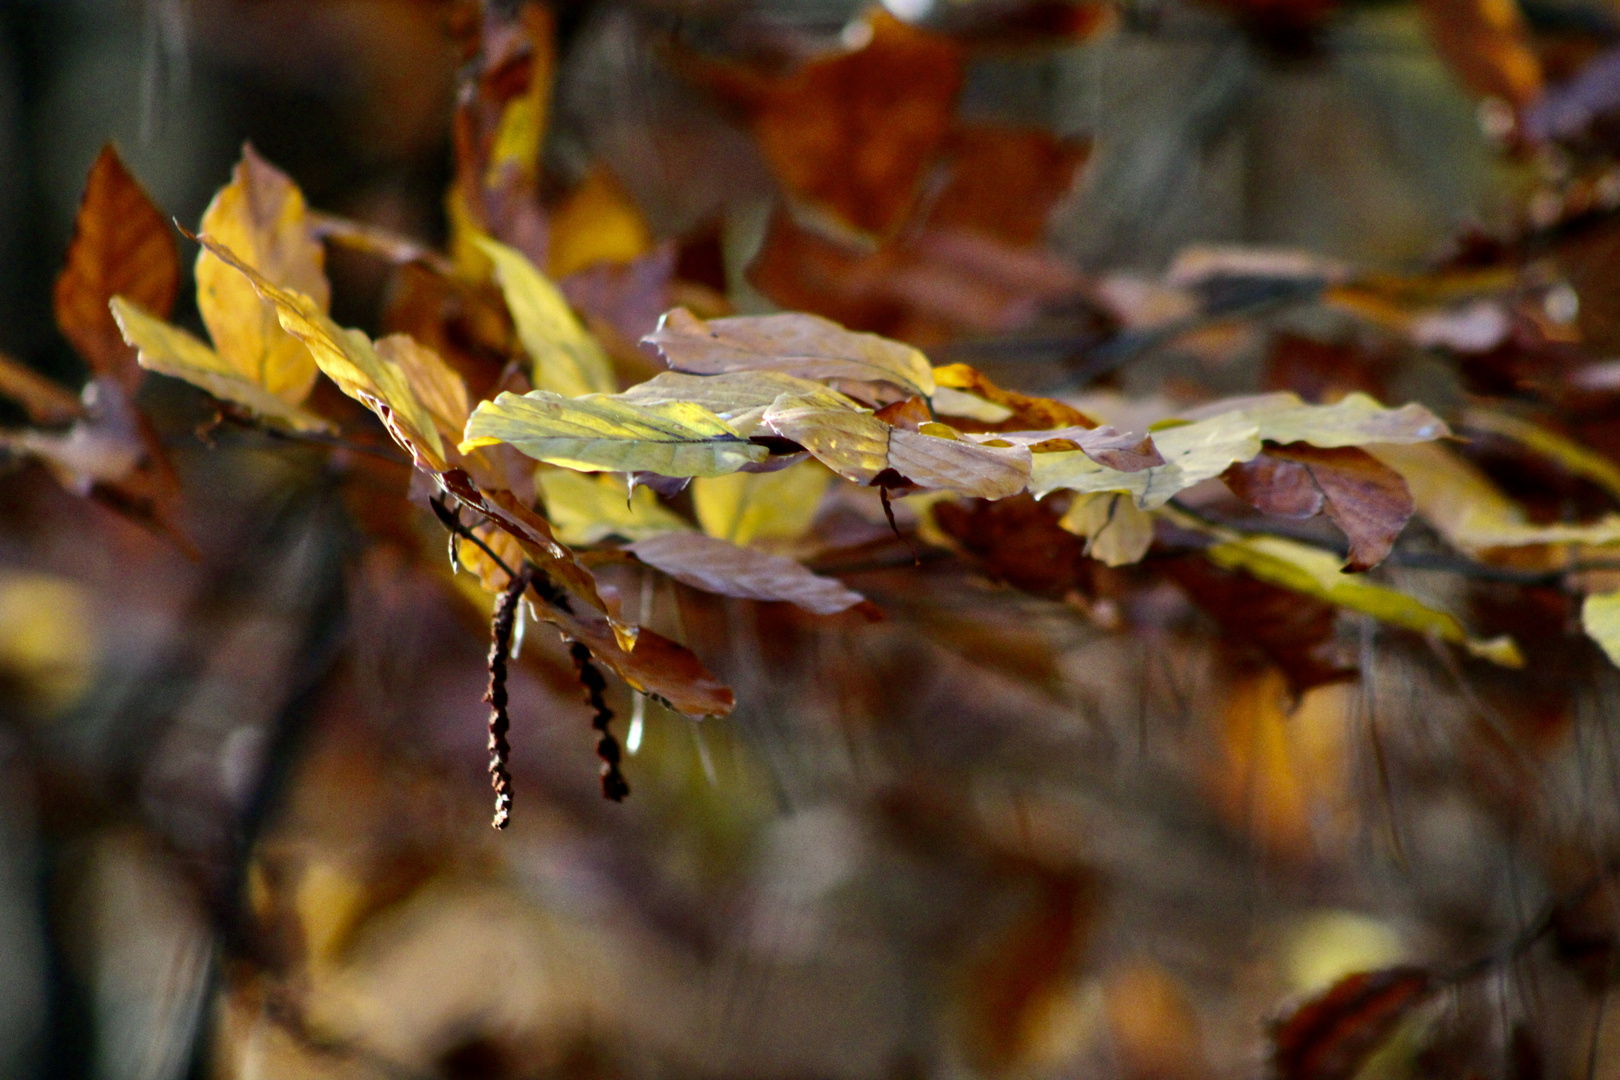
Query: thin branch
[{"x": 500, "y": 650}]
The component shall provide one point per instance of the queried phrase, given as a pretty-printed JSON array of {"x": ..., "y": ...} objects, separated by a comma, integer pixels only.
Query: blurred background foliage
[{"x": 242, "y": 814}]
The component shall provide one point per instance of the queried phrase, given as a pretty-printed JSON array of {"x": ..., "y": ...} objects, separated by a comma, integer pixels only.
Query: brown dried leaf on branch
[
  {"x": 122, "y": 246},
  {"x": 719, "y": 566},
  {"x": 1366, "y": 499}
]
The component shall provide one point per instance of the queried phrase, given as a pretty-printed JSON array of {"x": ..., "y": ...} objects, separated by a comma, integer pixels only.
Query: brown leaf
[
  {"x": 910, "y": 414},
  {"x": 1293, "y": 631},
  {"x": 853, "y": 134},
  {"x": 719, "y": 566},
  {"x": 122, "y": 246},
  {"x": 1004, "y": 181},
  {"x": 1366, "y": 499},
  {"x": 1019, "y": 541},
  {"x": 1330, "y": 1036}
]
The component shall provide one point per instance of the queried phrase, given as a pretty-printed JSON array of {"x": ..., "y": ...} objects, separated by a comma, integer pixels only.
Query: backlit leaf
[
  {"x": 794, "y": 343},
  {"x": 169, "y": 350},
  {"x": 597, "y": 433},
  {"x": 740, "y": 398},
  {"x": 260, "y": 215},
  {"x": 1021, "y": 412},
  {"x": 1600, "y": 618},
  {"x": 121, "y": 246},
  {"x": 440, "y": 390},
  {"x": 349, "y": 359},
  {"x": 1116, "y": 532},
  {"x": 1316, "y": 573},
  {"x": 744, "y": 507},
  {"x": 1192, "y": 453},
  {"x": 567, "y": 360},
  {"x": 596, "y": 223},
  {"x": 719, "y": 566},
  {"x": 586, "y": 508}
]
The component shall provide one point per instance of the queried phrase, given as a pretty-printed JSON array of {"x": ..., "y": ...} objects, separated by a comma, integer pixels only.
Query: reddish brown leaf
[
  {"x": 854, "y": 134},
  {"x": 1292, "y": 631},
  {"x": 122, "y": 246},
  {"x": 1487, "y": 46},
  {"x": 1365, "y": 498},
  {"x": 719, "y": 566},
  {"x": 1004, "y": 181},
  {"x": 909, "y": 414},
  {"x": 1330, "y": 1036},
  {"x": 1019, "y": 541}
]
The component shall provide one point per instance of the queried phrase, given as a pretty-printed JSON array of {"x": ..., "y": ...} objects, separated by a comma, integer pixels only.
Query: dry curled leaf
[
  {"x": 1330, "y": 1036},
  {"x": 122, "y": 246},
  {"x": 1365, "y": 498},
  {"x": 719, "y": 566},
  {"x": 1023, "y": 412}
]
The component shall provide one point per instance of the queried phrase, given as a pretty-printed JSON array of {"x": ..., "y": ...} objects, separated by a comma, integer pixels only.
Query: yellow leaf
[
  {"x": 858, "y": 446},
  {"x": 567, "y": 360},
  {"x": 1471, "y": 512},
  {"x": 442, "y": 392},
  {"x": 794, "y": 343},
  {"x": 1317, "y": 573},
  {"x": 349, "y": 359},
  {"x": 1355, "y": 420},
  {"x": 1116, "y": 531},
  {"x": 597, "y": 223},
  {"x": 171, "y": 351},
  {"x": 1575, "y": 458},
  {"x": 745, "y": 507},
  {"x": 740, "y": 398},
  {"x": 598, "y": 433},
  {"x": 1600, "y": 618},
  {"x": 585, "y": 509},
  {"x": 952, "y": 402},
  {"x": 261, "y": 216}
]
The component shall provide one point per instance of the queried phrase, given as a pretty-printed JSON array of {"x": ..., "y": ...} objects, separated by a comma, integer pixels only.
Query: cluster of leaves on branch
[{"x": 551, "y": 442}]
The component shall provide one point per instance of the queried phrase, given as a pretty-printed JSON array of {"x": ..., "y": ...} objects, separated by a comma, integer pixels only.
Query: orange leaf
[{"x": 122, "y": 246}]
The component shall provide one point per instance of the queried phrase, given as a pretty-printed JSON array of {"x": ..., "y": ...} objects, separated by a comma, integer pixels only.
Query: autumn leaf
[
  {"x": 1471, "y": 512},
  {"x": 596, "y": 223},
  {"x": 745, "y": 507},
  {"x": 172, "y": 351},
  {"x": 1330, "y": 1036},
  {"x": 45, "y": 401},
  {"x": 1116, "y": 532},
  {"x": 795, "y": 344},
  {"x": 1316, "y": 573},
  {"x": 597, "y": 433},
  {"x": 1365, "y": 498},
  {"x": 437, "y": 388},
  {"x": 261, "y": 216},
  {"x": 122, "y": 246},
  {"x": 1192, "y": 453},
  {"x": 1600, "y": 618},
  {"x": 586, "y": 508},
  {"x": 1487, "y": 46},
  {"x": 852, "y": 135},
  {"x": 971, "y": 392},
  {"x": 567, "y": 360},
  {"x": 1019, "y": 541},
  {"x": 858, "y": 446},
  {"x": 719, "y": 566},
  {"x": 740, "y": 398},
  {"x": 349, "y": 359}
]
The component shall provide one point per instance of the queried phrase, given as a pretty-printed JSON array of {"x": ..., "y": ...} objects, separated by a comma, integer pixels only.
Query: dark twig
[
  {"x": 614, "y": 786},
  {"x": 500, "y": 649}
]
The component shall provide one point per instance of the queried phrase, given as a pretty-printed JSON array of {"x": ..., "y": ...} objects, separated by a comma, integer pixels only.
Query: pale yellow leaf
[
  {"x": 951, "y": 402},
  {"x": 745, "y": 507},
  {"x": 1116, "y": 531},
  {"x": 795, "y": 343},
  {"x": 1471, "y": 512},
  {"x": 261, "y": 216},
  {"x": 567, "y": 360},
  {"x": 596, "y": 223},
  {"x": 1314, "y": 572},
  {"x": 349, "y": 359},
  {"x": 1600, "y": 617},
  {"x": 740, "y": 398},
  {"x": 586, "y": 508},
  {"x": 171, "y": 351},
  {"x": 1574, "y": 457},
  {"x": 1192, "y": 453},
  {"x": 598, "y": 433}
]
